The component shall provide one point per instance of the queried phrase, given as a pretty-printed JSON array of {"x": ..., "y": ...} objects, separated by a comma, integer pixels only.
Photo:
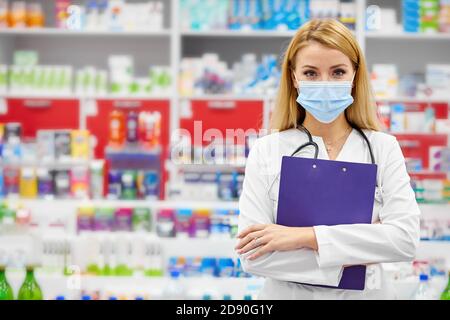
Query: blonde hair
[{"x": 332, "y": 34}]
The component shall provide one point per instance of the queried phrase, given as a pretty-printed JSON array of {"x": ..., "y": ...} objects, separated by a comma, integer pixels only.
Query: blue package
[
  {"x": 304, "y": 11},
  {"x": 226, "y": 267},
  {"x": 114, "y": 184},
  {"x": 209, "y": 266},
  {"x": 235, "y": 15},
  {"x": 151, "y": 184},
  {"x": 193, "y": 267}
]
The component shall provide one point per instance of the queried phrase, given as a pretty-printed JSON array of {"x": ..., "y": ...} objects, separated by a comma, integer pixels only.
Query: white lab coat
[{"x": 393, "y": 239}]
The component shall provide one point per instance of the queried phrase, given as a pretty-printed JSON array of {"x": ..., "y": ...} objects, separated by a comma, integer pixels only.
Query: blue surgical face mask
[{"x": 325, "y": 100}]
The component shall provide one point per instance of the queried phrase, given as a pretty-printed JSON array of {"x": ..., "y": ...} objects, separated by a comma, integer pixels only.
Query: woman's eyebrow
[
  {"x": 339, "y": 65},
  {"x": 308, "y": 66}
]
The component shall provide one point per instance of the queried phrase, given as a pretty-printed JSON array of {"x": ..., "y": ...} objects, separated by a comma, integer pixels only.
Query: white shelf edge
[
  {"x": 227, "y": 97},
  {"x": 239, "y": 33},
  {"x": 83, "y": 33},
  {"x": 204, "y": 167},
  {"x": 407, "y": 36},
  {"x": 414, "y": 99}
]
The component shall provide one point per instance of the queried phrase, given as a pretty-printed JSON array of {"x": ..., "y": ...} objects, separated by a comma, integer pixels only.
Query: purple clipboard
[{"x": 322, "y": 192}]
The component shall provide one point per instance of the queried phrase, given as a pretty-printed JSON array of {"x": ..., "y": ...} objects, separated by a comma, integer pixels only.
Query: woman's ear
[{"x": 293, "y": 78}]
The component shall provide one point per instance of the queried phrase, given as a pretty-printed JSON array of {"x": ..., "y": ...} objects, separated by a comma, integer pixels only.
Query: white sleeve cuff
[{"x": 324, "y": 253}]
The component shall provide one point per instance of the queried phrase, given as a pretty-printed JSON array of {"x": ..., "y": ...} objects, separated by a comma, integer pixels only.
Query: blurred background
[{"x": 96, "y": 204}]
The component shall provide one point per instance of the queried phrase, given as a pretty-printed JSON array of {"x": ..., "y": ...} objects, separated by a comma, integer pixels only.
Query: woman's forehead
[{"x": 316, "y": 54}]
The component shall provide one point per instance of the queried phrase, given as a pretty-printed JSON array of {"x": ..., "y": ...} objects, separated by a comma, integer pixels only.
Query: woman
[{"x": 325, "y": 90}]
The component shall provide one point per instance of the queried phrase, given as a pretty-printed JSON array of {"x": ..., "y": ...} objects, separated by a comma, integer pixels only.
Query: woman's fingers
[
  {"x": 261, "y": 251},
  {"x": 253, "y": 228},
  {"x": 257, "y": 242},
  {"x": 249, "y": 238}
]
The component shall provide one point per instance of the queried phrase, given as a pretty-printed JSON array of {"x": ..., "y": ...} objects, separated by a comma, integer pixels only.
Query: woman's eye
[
  {"x": 309, "y": 74},
  {"x": 338, "y": 73}
]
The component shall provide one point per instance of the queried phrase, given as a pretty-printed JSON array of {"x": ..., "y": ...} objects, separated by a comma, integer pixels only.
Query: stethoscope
[{"x": 312, "y": 143}]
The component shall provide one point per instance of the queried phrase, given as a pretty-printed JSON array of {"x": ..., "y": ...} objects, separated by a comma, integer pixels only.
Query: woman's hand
[{"x": 273, "y": 237}]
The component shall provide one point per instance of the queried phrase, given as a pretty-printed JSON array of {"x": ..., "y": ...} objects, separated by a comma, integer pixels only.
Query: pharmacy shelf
[
  {"x": 407, "y": 36},
  {"x": 47, "y": 164},
  {"x": 213, "y": 247},
  {"x": 433, "y": 249},
  {"x": 435, "y": 211},
  {"x": 428, "y": 210},
  {"x": 210, "y": 168},
  {"x": 71, "y": 287},
  {"x": 414, "y": 99},
  {"x": 226, "y": 97},
  {"x": 238, "y": 34},
  {"x": 75, "y": 203},
  {"x": 85, "y": 33}
]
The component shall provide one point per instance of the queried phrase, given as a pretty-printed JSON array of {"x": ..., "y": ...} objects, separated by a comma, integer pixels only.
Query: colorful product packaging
[
  {"x": 151, "y": 185},
  {"x": 46, "y": 145},
  {"x": 28, "y": 183},
  {"x": 80, "y": 182},
  {"x": 61, "y": 13},
  {"x": 129, "y": 185},
  {"x": 184, "y": 223},
  {"x": 96, "y": 185},
  {"x": 62, "y": 183},
  {"x": 11, "y": 180},
  {"x": 63, "y": 145},
  {"x": 2, "y": 184},
  {"x": 80, "y": 144},
  {"x": 123, "y": 219},
  {"x": 225, "y": 268},
  {"x": 117, "y": 128},
  {"x": 18, "y": 15},
  {"x": 45, "y": 183},
  {"x": 104, "y": 219},
  {"x": 4, "y": 14},
  {"x": 141, "y": 219},
  {"x": 201, "y": 223},
  {"x": 85, "y": 219},
  {"x": 13, "y": 132},
  {"x": 165, "y": 223},
  {"x": 114, "y": 184},
  {"x": 132, "y": 127}
]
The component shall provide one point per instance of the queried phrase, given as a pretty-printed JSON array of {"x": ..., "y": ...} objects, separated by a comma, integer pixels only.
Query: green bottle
[
  {"x": 30, "y": 289},
  {"x": 446, "y": 294},
  {"x": 6, "y": 292}
]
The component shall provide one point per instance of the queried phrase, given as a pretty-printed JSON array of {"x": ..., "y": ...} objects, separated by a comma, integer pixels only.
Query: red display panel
[
  {"x": 418, "y": 145},
  {"x": 38, "y": 114},
  {"x": 221, "y": 115}
]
